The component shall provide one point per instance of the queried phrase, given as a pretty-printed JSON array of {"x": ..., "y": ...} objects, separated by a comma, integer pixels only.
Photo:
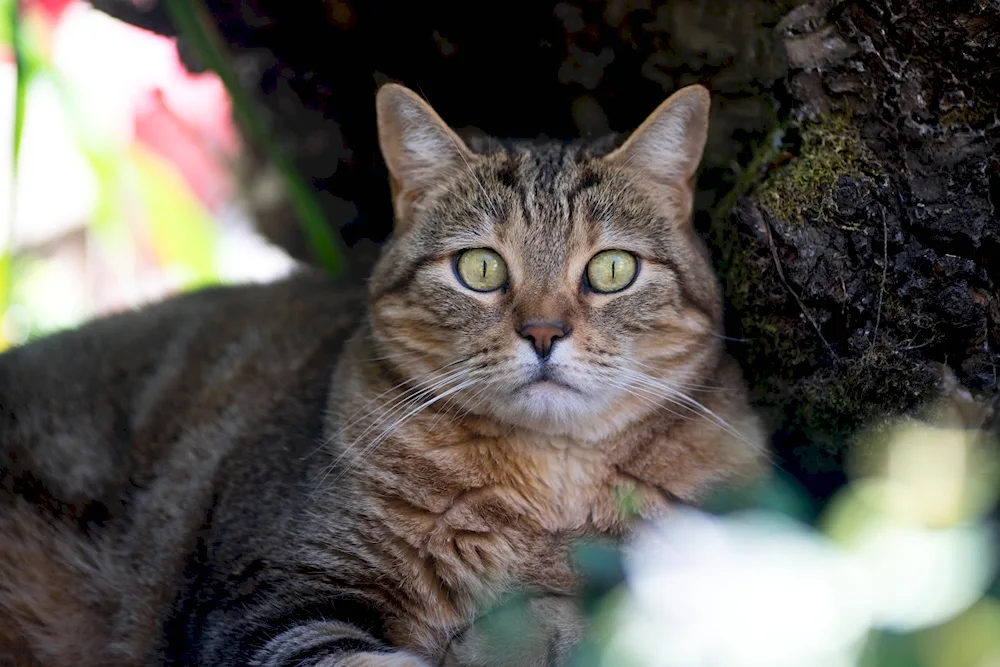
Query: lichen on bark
[{"x": 828, "y": 149}]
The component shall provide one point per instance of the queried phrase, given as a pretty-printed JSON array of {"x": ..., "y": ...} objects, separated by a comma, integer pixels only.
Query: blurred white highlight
[
  {"x": 905, "y": 551},
  {"x": 749, "y": 590}
]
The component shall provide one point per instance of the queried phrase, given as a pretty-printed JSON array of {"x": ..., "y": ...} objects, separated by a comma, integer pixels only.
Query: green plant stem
[
  {"x": 193, "y": 23},
  {"x": 21, "y": 75}
]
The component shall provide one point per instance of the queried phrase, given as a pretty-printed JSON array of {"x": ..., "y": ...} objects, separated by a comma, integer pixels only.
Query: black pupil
[
  {"x": 612, "y": 270},
  {"x": 484, "y": 269}
]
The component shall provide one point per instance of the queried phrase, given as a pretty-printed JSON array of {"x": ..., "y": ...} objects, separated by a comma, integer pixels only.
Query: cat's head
[{"x": 546, "y": 285}]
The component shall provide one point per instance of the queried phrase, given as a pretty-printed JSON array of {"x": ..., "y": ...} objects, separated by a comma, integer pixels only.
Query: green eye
[
  {"x": 612, "y": 271},
  {"x": 481, "y": 270}
]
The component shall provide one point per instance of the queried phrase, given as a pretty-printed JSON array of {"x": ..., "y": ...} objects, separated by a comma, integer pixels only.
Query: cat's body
[{"x": 299, "y": 474}]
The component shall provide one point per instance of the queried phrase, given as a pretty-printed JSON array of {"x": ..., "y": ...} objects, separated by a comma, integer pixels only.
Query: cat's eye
[
  {"x": 481, "y": 269},
  {"x": 611, "y": 271}
]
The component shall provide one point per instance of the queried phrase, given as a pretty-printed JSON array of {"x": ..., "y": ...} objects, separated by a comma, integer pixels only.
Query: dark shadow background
[{"x": 510, "y": 69}]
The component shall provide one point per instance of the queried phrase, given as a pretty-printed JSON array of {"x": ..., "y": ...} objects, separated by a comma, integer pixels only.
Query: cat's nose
[{"x": 543, "y": 335}]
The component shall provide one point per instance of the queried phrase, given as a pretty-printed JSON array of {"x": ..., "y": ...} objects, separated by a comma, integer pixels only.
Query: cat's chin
[{"x": 548, "y": 406}]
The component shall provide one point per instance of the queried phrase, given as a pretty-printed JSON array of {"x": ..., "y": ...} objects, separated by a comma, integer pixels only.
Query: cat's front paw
[{"x": 526, "y": 632}]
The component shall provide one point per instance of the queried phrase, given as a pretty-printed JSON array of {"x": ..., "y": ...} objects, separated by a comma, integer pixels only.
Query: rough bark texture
[
  {"x": 864, "y": 134},
  {"x": 875, "y": 251}
]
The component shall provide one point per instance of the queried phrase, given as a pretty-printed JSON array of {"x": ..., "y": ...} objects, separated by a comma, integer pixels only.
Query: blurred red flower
[
  {"x": 54, "y": 8},
  {"x": 184, "y": 118}
]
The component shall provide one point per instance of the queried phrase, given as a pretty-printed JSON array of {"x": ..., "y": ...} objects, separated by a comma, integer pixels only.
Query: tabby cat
[{"x": 301, "y": 474}]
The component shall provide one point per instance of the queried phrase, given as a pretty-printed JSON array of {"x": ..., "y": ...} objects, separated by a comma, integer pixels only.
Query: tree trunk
[{"x": 874, "y": 252}]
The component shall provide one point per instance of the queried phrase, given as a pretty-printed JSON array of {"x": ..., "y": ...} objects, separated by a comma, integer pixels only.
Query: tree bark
[{"x": 874, "y": 253}]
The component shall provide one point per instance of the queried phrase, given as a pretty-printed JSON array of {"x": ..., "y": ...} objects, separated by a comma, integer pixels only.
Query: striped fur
[{"x": 307, "y": 473}]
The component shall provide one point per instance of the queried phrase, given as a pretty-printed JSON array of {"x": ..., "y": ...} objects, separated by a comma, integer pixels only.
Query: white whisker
[
  {"x": 399, "y": 422},
  {"x": 681, "y": 399},
  {"x": 399, "y": 403},
  {"x": 397, "y": 355},
  {"x": 419, "y": 387},
  {"x": 688, "y": 385},
  {"x": 649, "y": 397},
  {"x": 361, "y": 414}
]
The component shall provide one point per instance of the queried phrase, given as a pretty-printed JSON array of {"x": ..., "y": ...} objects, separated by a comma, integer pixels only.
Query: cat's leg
[
  {"x": 534, "y": 632},
  {"x": 331, "y": 644}
]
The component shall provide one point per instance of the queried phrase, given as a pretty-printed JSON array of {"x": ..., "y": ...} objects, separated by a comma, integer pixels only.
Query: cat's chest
[
  {"x": 504, "y": 512},
  {"x": 475, "y": 519},
  {"x": 550, "y": 483}
]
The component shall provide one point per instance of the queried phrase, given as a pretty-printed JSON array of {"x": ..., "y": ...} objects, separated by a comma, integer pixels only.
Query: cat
[{"x": 304, "y": 473}]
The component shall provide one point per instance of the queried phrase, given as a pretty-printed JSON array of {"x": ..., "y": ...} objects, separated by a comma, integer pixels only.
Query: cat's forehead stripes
[
  {"x": 540, "y": 186},
  {"x": 529, "y": 197},
  {"x": 544, "y": 172}
]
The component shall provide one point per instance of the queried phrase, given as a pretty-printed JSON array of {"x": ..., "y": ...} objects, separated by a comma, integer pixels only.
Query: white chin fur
[{"x": 548, "y": 408}]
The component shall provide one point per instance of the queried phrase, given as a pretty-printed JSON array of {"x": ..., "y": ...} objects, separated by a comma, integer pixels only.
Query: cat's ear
[
  {"x": 418, "y": 147},
  {"x": 669, "y": 144}
]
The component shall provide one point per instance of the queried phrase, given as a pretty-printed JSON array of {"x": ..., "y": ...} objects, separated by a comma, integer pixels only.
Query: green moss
[
  {"x": 747, "y": 177},
  {"x": 830, "y": 148},
  {"x": 967, "y": 114},
  {"x": 854, "y": 393},
  {"x": 750, "y": 281}
]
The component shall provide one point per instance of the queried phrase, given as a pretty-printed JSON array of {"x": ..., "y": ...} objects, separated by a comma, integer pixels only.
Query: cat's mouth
[{"x": 545, "y": 376}]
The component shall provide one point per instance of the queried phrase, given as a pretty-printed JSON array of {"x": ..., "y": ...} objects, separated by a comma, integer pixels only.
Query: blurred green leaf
[
  {"x": 888, "y": 649},
  {"x": 969, "y": 640},
  {"x": 505, "y": 625},
  {"x": 182, "y": 231},
  {"x": 778, "y": 493},
  {"x": 47, "y": 296},
  {"x": 194, "y": 24},
  {"x": 6, "y": 276},
  {"x": 108, "y": 217},
  {"x": 604, "y": 620},
  {"x": 109, "y": 164},
  {"x": 29, "y": 63},
  {"x": 8, "y": 9},
  {"x": 602, "y": 569},
  {"x": 12, "y": 34}
]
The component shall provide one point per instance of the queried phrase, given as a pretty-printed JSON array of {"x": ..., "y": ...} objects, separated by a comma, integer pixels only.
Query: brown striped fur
[{"x": 307, "y": 473}]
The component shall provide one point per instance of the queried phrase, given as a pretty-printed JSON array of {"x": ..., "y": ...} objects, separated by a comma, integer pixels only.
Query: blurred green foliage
[
  {"x": 11, "y": 35},
  {"x": 8, "y": 10},
  {"x": 181, "y": 232},
  {"x": 179, "y": 228},
  {"x": 179, "y": 224},
  {"x": 930, "y": 481}
]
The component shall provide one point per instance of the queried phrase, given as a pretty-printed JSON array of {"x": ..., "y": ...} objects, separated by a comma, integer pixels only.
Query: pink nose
[{"x": 543, "y": 335}]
